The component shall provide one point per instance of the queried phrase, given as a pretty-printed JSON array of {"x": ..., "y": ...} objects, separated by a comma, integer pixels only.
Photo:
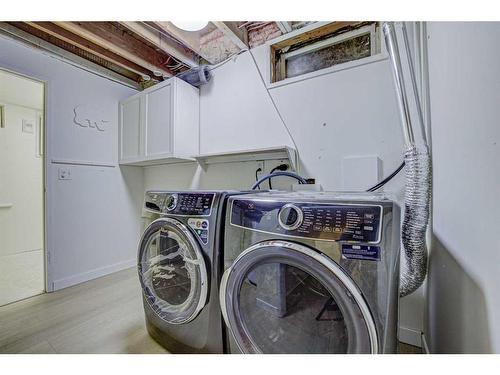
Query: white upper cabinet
[{"x": 160, "y": 124}]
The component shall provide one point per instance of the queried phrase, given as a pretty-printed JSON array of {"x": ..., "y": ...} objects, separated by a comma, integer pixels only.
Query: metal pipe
[
  {"x": 411, "y": 68},
  {"x": 417, "y": 171},
  {"x": 392, "y": 49}
]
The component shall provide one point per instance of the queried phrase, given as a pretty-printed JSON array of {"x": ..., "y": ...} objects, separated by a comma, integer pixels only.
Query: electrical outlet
[{"x": 64, "y": 173}]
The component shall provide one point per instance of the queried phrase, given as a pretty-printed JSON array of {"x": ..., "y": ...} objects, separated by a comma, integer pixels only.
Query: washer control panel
[
  {"x": 186, "y": 204},
  {"x": 323, "y": 221}
]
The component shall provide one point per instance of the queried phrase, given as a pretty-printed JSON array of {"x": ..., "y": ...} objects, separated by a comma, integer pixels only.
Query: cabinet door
[
  {"x": 131, "y": 129},
  {"x": 159, "y": 121}
]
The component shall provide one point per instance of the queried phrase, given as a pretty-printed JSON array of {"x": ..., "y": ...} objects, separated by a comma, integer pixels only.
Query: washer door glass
[
  {"x": 172, "y": 271},
  {"x": 282, "y": 297}
]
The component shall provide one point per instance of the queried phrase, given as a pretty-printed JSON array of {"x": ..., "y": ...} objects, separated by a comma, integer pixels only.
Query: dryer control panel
[
  {"x": 185, "y": 204},
  {"x": 321, "y": 221}
]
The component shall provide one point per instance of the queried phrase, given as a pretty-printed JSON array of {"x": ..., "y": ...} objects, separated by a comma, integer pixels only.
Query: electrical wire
[
  {"x": 276, "y": 174},
  {"x": 387, "y": 179},
  {"x": 223, "y": 62},
  {"x": 281, "y": 167},
  {"x": 257, "y": 175}
]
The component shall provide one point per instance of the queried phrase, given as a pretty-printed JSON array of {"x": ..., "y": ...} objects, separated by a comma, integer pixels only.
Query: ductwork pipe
[{"x": 417, "y": 172}]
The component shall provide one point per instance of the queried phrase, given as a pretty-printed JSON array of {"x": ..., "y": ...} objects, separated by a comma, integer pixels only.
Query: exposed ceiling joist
[
  {"x": 284, "y": 26},
  {"x": 238, "y": 36},
  {"x": 171, "y": 47},
  {"x": 78, "y": 41},
  {"x": 109, "y": 37},
  {"x": 190, "y": 39},
  {"x": 12, "y": 31}
]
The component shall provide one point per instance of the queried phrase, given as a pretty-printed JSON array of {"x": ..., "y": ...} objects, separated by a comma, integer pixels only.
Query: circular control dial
[
  {"x": 171, "y": 202},
  {"x": 290, "y": 217}
]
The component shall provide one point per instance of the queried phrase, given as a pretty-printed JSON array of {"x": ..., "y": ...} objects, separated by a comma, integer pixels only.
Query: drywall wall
[
  {"x": 93, "y": 221},
  {"x": 21, "y": 190},
  {"x": 236, "y": 112},
  {"x": 464, "y": 303},
  {"x": 343, "y": 114}
]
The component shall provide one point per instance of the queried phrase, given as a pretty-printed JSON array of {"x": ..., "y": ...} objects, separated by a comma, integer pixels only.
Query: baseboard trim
[
  {"x": 410, "y": 336},
  {"x": 424, "y": 344},
  {"x": 93, "y": 274}
]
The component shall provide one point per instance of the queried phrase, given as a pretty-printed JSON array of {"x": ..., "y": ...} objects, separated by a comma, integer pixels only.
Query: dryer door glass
[
  {"x": 172, "y": 271},
  {"x": 282, "y": 297}
]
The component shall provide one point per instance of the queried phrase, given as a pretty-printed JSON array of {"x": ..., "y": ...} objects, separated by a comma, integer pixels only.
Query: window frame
[{"x": 313, "y": 41}]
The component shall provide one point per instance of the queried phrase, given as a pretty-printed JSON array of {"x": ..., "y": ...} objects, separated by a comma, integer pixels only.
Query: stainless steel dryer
[
  {"x": 311, "y": 273},
  {"x": 179, "y": 268}
]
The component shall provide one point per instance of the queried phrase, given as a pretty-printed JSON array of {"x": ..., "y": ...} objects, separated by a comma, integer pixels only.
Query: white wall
[
  {"x": 236, "y": 112},
  {"x": 21, "y": 185},
  {"x": 464, "y": 302},
  {"x": 93, "y": 219},
  {"x": 347, "y": 113}
]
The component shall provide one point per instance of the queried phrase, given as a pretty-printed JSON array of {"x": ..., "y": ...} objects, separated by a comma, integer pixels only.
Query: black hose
[
  {"x": 276, "y": 174},
  {"x": 387, "y": 179}
]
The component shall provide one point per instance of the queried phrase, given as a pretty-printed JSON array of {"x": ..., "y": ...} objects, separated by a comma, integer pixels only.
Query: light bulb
[{"x": 190, "y": 25}]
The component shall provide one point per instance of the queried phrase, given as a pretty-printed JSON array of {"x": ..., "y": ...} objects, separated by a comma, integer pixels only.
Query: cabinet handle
[{"x": 2, "y": 116}]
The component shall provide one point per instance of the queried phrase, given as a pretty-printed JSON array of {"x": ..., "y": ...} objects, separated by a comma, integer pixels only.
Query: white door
[{"x": 22, "y": 261}]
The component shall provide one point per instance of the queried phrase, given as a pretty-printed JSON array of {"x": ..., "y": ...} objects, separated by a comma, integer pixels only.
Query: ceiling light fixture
[{"x": 190, "y": 25}]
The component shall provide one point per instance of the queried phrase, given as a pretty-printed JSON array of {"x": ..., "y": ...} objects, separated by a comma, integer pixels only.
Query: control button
[
  {"x": 337, "y": 230},
  {"x": 369, "y": 216},
  {"x": 290, "y": 217},
  {"x": 327, "y": 229},
  {"x": 204, "y": 225},
  {"x": 317, "y": 228},
  {"x": 171, "y": 202},
  {"x": 367, "y": 227}
]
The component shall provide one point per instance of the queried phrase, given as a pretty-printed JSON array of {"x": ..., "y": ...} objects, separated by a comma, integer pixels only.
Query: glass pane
[
  {"x": 286, "y": 310},
  {"x": 171, "y": 274},
  {"x": 348, "y": 50}
]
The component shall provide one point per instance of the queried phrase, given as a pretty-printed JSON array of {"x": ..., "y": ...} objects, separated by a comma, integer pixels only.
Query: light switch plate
[
  {"x": 28, "y": 126},
  {"x": 64, "y": 173}
]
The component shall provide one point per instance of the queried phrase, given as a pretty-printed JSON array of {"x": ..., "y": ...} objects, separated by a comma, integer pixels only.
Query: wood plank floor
[{"x": 104, "y": 315}]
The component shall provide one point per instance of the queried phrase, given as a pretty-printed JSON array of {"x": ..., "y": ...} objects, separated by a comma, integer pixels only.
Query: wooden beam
[
  {"x": 170, "y": 47},
  {"x": 236, "y": 35},
  {"x": 88, "y": 46},
  {"x": 34, "y": 41},
  {"x": 284, "y": 26},
  {"x": 108, "y": 36},
  {"x": 312, "y": 34},
  {"x": 189, "y": 39}
]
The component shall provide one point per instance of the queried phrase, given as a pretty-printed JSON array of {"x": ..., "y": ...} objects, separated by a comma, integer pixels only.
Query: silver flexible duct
[
  {"x": 417, "y": 171},
  {"x": 416, "y": 217}
]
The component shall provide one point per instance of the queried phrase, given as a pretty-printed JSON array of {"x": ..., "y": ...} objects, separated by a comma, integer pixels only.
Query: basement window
[{"x": 334, "y": 44}]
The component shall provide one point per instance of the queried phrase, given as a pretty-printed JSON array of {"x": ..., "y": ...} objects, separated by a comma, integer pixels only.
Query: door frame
[{"x": 43, "y": 134}]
